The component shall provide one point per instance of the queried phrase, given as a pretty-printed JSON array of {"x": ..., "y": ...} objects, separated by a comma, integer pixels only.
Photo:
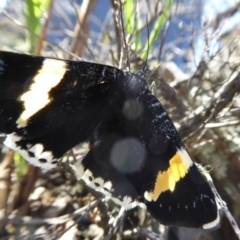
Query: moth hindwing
[{"x": 48, "y": 105}]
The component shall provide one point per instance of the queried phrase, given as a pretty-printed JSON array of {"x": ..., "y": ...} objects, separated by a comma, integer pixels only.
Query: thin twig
[
  {"x": 82, "y": 28},
  {"x": 51, "y": 221},
  {"x": 220, "y": 202},
  {"x": 43, "y": 34}
]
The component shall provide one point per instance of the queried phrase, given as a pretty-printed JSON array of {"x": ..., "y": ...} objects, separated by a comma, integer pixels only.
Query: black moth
[{"x": 48, "y": 105}]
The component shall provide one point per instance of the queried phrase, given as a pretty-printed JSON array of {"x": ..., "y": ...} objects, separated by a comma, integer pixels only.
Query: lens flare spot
[
  {"x": 128, "y": 155},
  {"x": 132, "y": 109},
  {"x": 158, "y": 145}
]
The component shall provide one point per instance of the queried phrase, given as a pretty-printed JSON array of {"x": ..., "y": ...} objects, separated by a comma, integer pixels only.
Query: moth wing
[{"x": 47, "y": 105}]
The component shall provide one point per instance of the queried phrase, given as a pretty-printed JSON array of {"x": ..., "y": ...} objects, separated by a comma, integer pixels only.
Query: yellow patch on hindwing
[{"x": 167, "y": 180}]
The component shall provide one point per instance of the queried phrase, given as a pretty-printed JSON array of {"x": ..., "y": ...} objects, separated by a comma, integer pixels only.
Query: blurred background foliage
[
  {"x": 34, "y": 11},
  {"x": 192, "y": 51}
]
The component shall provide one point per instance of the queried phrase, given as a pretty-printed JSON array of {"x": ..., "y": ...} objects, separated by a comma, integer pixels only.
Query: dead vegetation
[{"x": 204, "y": 105}]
